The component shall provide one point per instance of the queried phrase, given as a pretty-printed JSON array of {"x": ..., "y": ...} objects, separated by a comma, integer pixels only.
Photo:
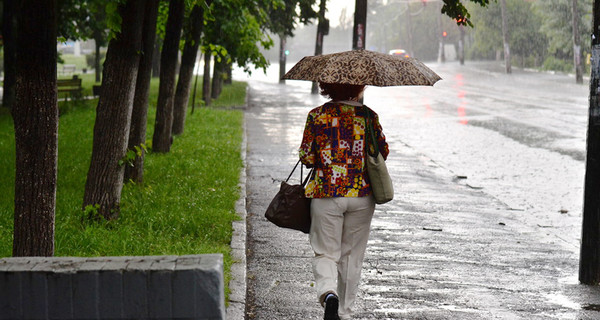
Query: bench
[
  {"x": 68, "y": 68},
  {"x": 71, "y": 86}
]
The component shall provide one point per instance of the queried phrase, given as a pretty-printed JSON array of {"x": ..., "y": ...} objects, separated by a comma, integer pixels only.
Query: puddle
[{"x": 563, "y": 301}]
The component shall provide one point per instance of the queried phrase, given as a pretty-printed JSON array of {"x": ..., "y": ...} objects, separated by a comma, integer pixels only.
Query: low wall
[{"x": 145, "y": 287}]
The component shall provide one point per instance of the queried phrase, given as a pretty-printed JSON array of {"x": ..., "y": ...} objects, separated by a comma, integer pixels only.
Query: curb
[{"x": 237, "y": 284}]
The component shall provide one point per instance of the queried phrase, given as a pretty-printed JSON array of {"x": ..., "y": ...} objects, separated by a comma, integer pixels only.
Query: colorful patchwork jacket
[{"x": 333, "y": 143}]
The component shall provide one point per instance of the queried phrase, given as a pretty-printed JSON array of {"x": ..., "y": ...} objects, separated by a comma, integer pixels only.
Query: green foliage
[
  {"x": 556, "y": 25},
  {"x": 238, "y": 26},
  {"x": 457, "y": 11},
  {"x": 554, "y": 64},
  {"x": 185, "y": 206},
  {"x": 113, "y": 18},
  {"x": 285, "y": 15}
]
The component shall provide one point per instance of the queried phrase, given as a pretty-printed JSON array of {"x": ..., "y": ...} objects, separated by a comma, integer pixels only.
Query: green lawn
[{"x": 185, "y": 206}]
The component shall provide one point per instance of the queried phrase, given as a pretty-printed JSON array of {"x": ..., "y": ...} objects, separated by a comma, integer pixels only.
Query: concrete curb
[{"x": 237, "y": 284}]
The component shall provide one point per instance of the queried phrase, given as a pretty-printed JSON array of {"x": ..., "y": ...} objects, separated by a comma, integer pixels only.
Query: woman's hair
[{"x": 338, "y": 91}]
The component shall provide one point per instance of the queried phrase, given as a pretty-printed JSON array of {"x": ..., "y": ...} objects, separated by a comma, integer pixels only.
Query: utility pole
[
  {"x": 282, "y": 57},
  {"x": 505, "y": 37},
  {"x": 322, "y": 30},
  {"x": 589, "y": 264},
  {"x": 441, "y": 53},
  {"x": 409, "y": 30},
  {"x": 577, "y": 45},
  {"x": 360, "y": 25}
]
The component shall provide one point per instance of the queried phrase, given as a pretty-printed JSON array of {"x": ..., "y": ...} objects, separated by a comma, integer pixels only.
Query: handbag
[
  {"x": 290, "y": 208},
  {"x": 381, "y": 182}
]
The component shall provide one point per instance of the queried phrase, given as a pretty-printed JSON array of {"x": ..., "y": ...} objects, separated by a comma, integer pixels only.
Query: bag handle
[
  {"x": 303, "y": 180},
  {"x": 370, "y": 138}
]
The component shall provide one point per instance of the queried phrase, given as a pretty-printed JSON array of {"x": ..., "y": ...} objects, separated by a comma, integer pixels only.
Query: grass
[{"x": 185, "y": 205}]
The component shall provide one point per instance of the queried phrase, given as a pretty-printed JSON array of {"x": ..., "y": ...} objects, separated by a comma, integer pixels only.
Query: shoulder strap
[{"x": 370, "y": 138}]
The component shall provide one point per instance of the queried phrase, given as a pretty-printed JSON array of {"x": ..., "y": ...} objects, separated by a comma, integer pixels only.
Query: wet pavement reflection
[{"x": 486, "y": 221}]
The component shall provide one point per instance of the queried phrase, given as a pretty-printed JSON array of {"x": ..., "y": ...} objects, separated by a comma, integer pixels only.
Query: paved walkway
[{"x": 440, "y": 250}]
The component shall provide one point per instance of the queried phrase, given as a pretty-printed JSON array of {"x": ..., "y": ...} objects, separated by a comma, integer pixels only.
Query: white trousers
[{"x": 338, "y": 235}]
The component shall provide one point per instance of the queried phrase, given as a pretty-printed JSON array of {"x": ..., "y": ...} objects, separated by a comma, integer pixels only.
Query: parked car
[{"x": 399, "y": 52}]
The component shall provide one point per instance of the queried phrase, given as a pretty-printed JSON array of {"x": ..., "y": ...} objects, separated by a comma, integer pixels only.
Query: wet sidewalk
[{"x": 440, "y": 250}]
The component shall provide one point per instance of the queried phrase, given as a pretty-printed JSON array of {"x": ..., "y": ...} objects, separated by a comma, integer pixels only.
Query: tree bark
[
  {"x": 206, "y": 79},
  {"x": 282, "y": 57},
  {"x": 35, "y": 115},
  {"x": 320, "y": 34},
  {"x": 589, "y": 264},
  {"x": 97, "y": 66},
  {"x": 161, "y": 140},
  {"x": 217, "y": 80},
  {"x": 186, "y": 71},
  {"x": 139, "y": 115},
  {"x": 156, "y": 59},
  {"x": 113, "y": 114},
  {"x": 8, "y": 37},
  {"x": 505, "y": 31},
  {"x": 577, "y": 53}
]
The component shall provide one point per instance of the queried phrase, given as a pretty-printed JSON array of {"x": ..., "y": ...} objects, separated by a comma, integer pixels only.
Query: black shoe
[{"x": 331, "y": 308}]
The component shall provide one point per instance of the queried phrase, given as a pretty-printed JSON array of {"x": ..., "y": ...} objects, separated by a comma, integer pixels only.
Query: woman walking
[{"x": 342, "y": 205}]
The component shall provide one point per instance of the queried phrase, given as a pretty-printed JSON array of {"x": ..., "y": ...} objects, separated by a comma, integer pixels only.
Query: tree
[
  {"x": 134, "y": 171},
  {"x": 589, "y": 265},
  {"x": 559, "y": 34},
  {"x": 526, "y": 41},
  {"x": 35, "y": 115},
  {"x": 234, "y": 34},
  {"x": 113, "y": 114},
  {"x": 192, "y": 33},
  {"x": 162, "y": 139},
  {"x": 283, "y": 20}
]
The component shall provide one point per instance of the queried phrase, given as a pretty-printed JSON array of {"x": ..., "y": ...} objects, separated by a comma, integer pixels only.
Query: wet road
[{"x": 488, "y": 170}]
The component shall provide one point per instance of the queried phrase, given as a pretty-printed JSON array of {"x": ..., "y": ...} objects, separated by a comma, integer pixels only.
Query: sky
[{"x": 334, "y": 9}]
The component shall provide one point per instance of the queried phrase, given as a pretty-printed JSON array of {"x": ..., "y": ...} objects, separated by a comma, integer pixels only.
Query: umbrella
[{"x": 363, "y": 67}]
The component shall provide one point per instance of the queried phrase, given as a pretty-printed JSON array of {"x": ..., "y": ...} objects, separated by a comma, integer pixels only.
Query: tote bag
[{"x": 381, "y": 182}]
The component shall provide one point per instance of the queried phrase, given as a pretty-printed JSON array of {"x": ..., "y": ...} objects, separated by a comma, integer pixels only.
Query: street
[{"x": 488, "y": 170}]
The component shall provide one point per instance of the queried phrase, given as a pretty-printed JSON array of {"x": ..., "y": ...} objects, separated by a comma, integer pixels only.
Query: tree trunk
[
  {"x": 35, "y": 114},
  {"x": 97, "y": 65},
  {"x": 113, "y": 114},
  {"x": 589, "y": 264},
  {"x": 282, "y": 57},
  {"x": 319, "y": 44},
  {"x": 161, "y": 140},
  {"x": 217, "y": 80},
  {"x": 186, "y": 71},
  {"x": 137, "y": 132},
  {"x": 505, "y": 37},
  {"x": 8, "y": 35},
  {"x": 156, "y": 58},
  {"x": 206, "y": 79},
  {"x": 577, "y": 53},
  {"x": 228, "y": 74}
]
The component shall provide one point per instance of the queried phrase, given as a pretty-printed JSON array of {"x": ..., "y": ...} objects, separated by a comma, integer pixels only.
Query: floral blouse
[{"x": 333, "y": 143}]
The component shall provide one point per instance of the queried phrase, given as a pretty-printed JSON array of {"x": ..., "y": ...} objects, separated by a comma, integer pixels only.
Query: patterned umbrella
[{"x": 363, "y": 67}]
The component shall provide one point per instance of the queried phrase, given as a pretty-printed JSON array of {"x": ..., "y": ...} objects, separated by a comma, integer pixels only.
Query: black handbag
[{"x": 290, "y": 208}]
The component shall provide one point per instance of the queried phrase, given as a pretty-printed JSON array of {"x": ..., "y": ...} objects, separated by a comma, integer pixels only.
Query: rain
[{"x": 489, "y": 163}]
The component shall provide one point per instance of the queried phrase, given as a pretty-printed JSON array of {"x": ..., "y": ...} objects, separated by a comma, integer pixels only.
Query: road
[{"x": 488, "y": 169}]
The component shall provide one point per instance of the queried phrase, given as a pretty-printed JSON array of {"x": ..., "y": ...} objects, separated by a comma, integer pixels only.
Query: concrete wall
[{"x": 150, "y": 287}]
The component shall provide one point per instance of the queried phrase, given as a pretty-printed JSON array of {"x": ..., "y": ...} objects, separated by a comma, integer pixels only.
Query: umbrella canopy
[{"x": 363, "y": 67}]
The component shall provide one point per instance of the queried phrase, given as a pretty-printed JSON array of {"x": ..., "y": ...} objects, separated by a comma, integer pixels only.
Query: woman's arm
[
  {"x": 307, "y": 154},
  {"x": 383, "y": 146}
]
